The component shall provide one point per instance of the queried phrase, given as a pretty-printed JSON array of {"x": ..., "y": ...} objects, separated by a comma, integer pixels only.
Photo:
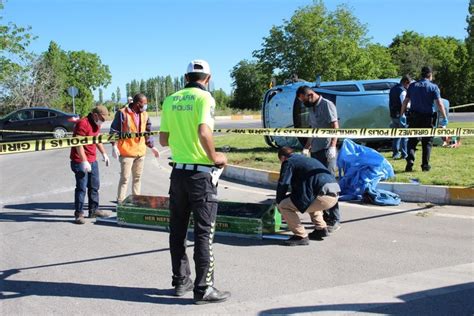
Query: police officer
[
  {"x": 423, "y": 94},
  {"x": 396, "y": 97},
  {"x": 186, "y": 127}
]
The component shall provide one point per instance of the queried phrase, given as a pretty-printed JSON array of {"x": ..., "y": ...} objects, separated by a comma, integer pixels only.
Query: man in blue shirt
[
  {"x": 422, "y": 95},
  {"x": 313, "y": 189}
]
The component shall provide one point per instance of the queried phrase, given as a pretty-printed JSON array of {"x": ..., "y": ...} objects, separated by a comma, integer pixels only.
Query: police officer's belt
[{"x": 192, "y": 167}]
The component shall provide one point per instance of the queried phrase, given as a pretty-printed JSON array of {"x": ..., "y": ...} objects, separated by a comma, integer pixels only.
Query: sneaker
[
  {"x": 79, "y": 218},
  {"x": 333, "y": 228},
  {"x": 297, "y": 241},
  {"x": 397, "y": 156},
  {"x": 425, "y": 167},
  {"x": 212, "y": 295},
  {"x": 184, "y": 287},
  {"x": 98, "y": 213},
  {"x": 318, "y": 234},
  {"x": 409, "y": 167}
]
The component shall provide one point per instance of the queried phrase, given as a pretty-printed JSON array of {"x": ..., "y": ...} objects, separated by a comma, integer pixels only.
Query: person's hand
[
  {"x": 115, "y": 152},
  {"x": 220, "y": 159},
  {"x": 403, "y": 120},
  {"x": 105, "y": 158},
  {"x": 306, "y": 152},
  {"x": 331, "y": 153},
  {"x": 86, "y": 167},
  {"x": 444, "y": 122},
  {"x": 156, "y": 153}
]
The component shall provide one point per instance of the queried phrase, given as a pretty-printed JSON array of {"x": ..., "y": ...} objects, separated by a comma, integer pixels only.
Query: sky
[{"x": 141, "y": 39}]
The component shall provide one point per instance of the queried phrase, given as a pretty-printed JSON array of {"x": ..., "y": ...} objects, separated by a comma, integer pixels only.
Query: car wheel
[{"x": 59, "y": 132}]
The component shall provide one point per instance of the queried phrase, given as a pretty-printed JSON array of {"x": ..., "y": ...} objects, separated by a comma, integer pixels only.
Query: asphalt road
[{"x": 409, "y": 259}]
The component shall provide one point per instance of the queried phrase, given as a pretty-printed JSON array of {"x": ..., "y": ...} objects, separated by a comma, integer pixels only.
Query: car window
[
  {"x": 41, "y": 114},
  {"x": 52, "y": 114},
  {"x": 23, "y": 115},
  {"x": 378, "y": 86},
  {"x": 343, "y": 88}
]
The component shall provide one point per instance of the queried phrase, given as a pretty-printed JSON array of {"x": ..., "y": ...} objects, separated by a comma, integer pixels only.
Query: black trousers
[
  {"x": 417, "y": 120},
  {"x": 192, "y": 191},
  {"x": 332, "y": 215}
]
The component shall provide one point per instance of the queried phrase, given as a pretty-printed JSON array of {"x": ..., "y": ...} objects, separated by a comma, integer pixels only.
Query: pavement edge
[{"x": 408, "y": 192}]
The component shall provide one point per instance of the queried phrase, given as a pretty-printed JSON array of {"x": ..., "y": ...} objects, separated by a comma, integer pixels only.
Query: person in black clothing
[
  {"x": 423, "y": 95},
  {"x": 396, "y": 97},
  {"x": 313, "y": 189}
]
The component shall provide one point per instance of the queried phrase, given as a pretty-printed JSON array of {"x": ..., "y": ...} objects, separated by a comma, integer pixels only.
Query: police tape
[
  {"x": 461, "y": 106},
  {"x": 67, "y": 142},
  {"x": 357, "y": 133}
]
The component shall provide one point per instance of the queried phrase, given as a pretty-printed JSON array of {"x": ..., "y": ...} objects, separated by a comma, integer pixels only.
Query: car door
[
  {"x": 19, "y": 121},
  {"x": 42, "y": 123}
]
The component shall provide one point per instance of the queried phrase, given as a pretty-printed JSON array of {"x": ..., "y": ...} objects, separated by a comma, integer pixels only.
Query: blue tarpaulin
[{"x": 360, "y": 170}]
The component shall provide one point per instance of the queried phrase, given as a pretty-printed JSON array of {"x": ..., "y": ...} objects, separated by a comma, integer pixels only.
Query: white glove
[
  {"x": 105, "y": 158},
  {"x": 86, "y": 167},
  {"x": 331, "y": 153},
  {"x": 306, "y": 152},
  {"x": 156, "y": 153},
  {"x": 115, "y": 152}
]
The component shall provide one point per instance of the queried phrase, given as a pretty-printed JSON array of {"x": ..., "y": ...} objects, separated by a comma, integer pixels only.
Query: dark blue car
[{"x": 41, "y": 119}]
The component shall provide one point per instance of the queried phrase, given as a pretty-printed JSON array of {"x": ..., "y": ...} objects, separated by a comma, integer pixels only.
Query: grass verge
[{"x": 449, "y": 166}]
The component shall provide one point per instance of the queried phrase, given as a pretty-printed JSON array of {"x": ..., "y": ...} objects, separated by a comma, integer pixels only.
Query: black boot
[{"x": 212, "y": 295}]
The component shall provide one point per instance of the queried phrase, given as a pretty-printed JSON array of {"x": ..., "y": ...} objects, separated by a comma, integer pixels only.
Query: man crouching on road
[
  {"x": 313, "y": 189},
  {"x": 85, "y": 167}
]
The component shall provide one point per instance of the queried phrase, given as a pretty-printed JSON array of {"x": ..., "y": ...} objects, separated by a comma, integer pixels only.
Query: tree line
[
  {"x": 313, "y": 42},
  {"x": 335, "y": 45}
]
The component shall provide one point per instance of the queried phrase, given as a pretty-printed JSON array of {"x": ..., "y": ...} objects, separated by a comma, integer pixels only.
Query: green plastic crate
[{"x": 251, "y": 219}]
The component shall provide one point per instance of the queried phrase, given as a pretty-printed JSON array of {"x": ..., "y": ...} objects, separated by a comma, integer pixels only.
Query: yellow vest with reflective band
[{"x": 132, "y": 147}]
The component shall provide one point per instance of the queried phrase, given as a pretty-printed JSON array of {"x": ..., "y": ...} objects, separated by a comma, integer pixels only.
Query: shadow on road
[
  {"x": 10, "y": 289},
  {"x": 450, "y": 300},
  {"x": 42, "y": 212}
]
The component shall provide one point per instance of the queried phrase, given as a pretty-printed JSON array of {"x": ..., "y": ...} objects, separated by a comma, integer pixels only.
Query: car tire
[{"x": 59, "y": 132}]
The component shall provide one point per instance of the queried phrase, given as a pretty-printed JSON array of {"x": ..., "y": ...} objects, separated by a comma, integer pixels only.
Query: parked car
[
  {"x": 359, "y": 103},
  {"x": 41, "y": 119}
]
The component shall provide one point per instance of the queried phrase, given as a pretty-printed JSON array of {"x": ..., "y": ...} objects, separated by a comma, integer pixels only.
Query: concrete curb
[{"x": 408, "y": 192}]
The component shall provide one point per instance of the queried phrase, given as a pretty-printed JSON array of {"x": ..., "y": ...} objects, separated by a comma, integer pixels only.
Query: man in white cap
[{"x": 187, "y": 122}]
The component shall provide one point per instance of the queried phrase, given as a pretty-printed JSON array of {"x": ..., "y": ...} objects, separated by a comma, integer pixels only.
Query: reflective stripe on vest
[{"x": 132, "y": 147}]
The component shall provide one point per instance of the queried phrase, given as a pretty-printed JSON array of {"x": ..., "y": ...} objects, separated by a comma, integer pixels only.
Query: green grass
[{"x": 449, "y": 166}]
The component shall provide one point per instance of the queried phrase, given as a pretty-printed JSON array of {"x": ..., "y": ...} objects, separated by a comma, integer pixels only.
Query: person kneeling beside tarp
[{"x": 360, "y": 170}]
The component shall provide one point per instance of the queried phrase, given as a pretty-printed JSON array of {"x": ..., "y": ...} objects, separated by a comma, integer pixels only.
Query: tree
[
  {"x": 31, "y": 85},
  {"x": 142, "y": 86},
  {"x": 222, "y": 99},
  {"x": 446, "y": 55},
  {"x": 56, "y": 59},
  {"x": 249, "y": 84},
  {"x": 127, "y": 89},
  {"x": 113, "y": 97},
  {"x": 316, "y": 42},
  {"x": 134, "y": 88},
  {"x": 409, "y": 53},
  {"x": 101, "y": 96},
  {"x": 379, "y": 62},
  {"x": 467, "y": 75},
  {"x": 118, "y": 95},
  {"x": 14, "y": 41},
  {"x": 87, "y": 73}
]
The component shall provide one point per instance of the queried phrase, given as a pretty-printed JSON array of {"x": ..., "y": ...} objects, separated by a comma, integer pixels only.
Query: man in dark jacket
[
  {"x": 313, "y": 189},
  {"x": 396, "y": 97}
]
